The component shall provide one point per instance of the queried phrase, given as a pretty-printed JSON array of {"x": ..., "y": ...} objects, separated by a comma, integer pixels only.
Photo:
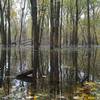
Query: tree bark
[
  {"x": 9, "y": 32},
  {"x": 2, "y": 29},
  {"x": 54, "y": 20},
  {"x": 88, "y": 23}
]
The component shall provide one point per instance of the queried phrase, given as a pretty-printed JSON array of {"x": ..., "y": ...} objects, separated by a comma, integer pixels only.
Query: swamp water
[{"x": 66, "y": 74}]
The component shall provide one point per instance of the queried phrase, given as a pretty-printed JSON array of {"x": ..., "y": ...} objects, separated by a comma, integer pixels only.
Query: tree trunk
[
  {"x": 2, "y": 29},
  {"x": 76, "y": 25},
  {"x": 35, "y": 42},
  {"x": 9, "y": 32},
  {"x": 54, "y": 19},
  {"x": 35, "y": 33},
  {"x": 88, "y": 23},
  {"x": 22, "y": 18}
]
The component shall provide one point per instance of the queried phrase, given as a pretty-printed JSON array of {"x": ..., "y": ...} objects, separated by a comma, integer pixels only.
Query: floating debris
[
  {"x": 44, "y": 76},
  {"x": 60, "y": 98},
  {"x": 29, "y": 97}
]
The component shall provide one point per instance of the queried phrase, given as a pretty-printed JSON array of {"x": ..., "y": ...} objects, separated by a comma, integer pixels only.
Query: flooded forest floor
[{"x": 60, "y": 74}]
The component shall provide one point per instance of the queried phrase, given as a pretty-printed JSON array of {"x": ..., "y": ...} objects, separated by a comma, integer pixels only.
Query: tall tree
[
  {"x": 76, "y": 25},
  {"x": 9, "y": 32},
  {"x": 88, "y": 23},
  {"x": 22, "y": 19},
  {"x": 54, "y": 34},
  {"x": 35, "y": 34},
  {"x": 2, "y": 26},
  {"x": 35, "y": 41},
  {"x": 95, "y": 41}
]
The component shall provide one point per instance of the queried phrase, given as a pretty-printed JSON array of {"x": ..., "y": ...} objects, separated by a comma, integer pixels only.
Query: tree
[
  {"x": 54, "y": 34},
  {"x": 9, "y": 26},
  {"x": 76, "y": 25},
  {"x": 88, "y": 23},
  {"x": 22, "y": 22},
  {"x": 2, "y": 29},
  {"x": 35, "y": 41}
]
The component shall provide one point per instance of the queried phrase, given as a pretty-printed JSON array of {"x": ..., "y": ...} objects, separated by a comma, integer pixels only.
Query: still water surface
[{"x": 48, "y": 75}]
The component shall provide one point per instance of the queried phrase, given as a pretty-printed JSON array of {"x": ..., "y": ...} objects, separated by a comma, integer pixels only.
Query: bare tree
[
  {"x": 22, "y": 22},
  {"x": 88, "y": 23},
  {"x": 54, "y": 34},
  {"x": 2, "y": 26},
  {"x": 9, "y": 26}
]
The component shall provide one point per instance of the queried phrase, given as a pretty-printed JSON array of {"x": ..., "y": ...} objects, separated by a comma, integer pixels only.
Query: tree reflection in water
[
  {"x": 2, "y": 65},
  {"x": 54, "y": 73}
]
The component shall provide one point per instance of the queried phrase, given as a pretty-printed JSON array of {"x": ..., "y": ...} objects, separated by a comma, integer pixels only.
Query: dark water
[{"x": 47, "y": 75}]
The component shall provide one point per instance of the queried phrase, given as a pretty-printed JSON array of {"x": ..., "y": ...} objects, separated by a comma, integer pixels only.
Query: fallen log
[{"x": 25, "y": 76}]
